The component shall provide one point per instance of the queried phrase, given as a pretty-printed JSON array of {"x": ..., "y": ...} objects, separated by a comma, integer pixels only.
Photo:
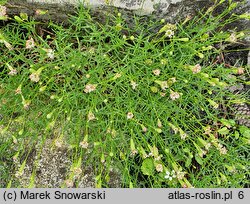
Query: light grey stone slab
[{"x": 143, "y": 6}]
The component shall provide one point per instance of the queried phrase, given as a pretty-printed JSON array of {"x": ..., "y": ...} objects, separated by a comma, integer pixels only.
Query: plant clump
[{"x": 154, "y": 109}]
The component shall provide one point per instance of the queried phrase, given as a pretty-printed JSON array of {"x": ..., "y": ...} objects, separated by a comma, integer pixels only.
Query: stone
[
  {"x": 170, "y": 10},
  {"x": 53, "y": 165},
  {"x": 248, "y": 59},
  {"x": 141, "y": 6}
]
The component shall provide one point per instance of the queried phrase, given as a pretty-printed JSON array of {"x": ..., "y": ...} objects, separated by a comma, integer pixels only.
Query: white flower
[
  {"x": 26, "y": 104},
  {"x": 172, "y": 80},
  {"x": 84, "y": 144},
  {"x": 220, "y": 146},
  {"x": 207, "y": 130},
  {"x": 91, "y": 116},
  {"x": 174, "y": 128},
  {"x": 3, "y": 11},
  {"x": 69, "y": 183},
  {"x": 174, "y": 95},
  {"x": 35, "y": 77},
  {"x": 240, "y": 71},
  {"x": 223, "y": 150},
  {"x": 13, "y": 72},
  {"x": 232, "y": 38},
  {"x": 18, "y": 90},
  {"x": 18, "y": 174},
  {"x": 162, "y": 94},
  {"x": 134, "y": 152},
  {"x": 15, "y": 159},
  {"x": 89, "y": 88},
  {"x": 164, "y": 84},
  {"x": 144, "y": 129},
  {"x": 159, "y": 168},
  {"x": 202, "y": 153},
  {"x": 158, "y": 158},
  {"x": 180, "y": 175},
  {"x": 207, "y": 146},
  {"x": 159, "y": 123},
  {"x": 150, "y": 154},
  {"x": 102, "y": 160},
  {"x": 182, "y": 134},
  {"x": 77, "y": 171},
  {"x": 117, "y": 75},
  {"x": 133, "y": 84},
  {"x": 167, "y": 175},
  {"x": 30, "y": 43},
  {"x": 50, "y": 53},
  {"x": 169, "y": 33},
  {"x": 130, "y": 115},
  {"x": 156, "y": 72},
  {"x": 196, "y": 69}
]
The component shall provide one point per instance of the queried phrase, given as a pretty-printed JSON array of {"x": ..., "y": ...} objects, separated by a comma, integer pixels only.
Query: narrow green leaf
[
  {"x": 245, "y": 131},
  {"x": 18, "y": 19},
  {"x": 198, "y": 159},
  {"x": 188, "y": 162},
  {"x": 223, "y": 131},
  {"x": 147, "y": 167}
]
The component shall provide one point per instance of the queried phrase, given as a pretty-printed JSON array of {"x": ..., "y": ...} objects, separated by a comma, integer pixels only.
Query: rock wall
[
  {"x": 170, "y": 10},
  {"x": 142, "y": 7}
]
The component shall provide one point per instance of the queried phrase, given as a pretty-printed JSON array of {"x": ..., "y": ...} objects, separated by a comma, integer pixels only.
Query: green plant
[{"x": 155, "y": 106}]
